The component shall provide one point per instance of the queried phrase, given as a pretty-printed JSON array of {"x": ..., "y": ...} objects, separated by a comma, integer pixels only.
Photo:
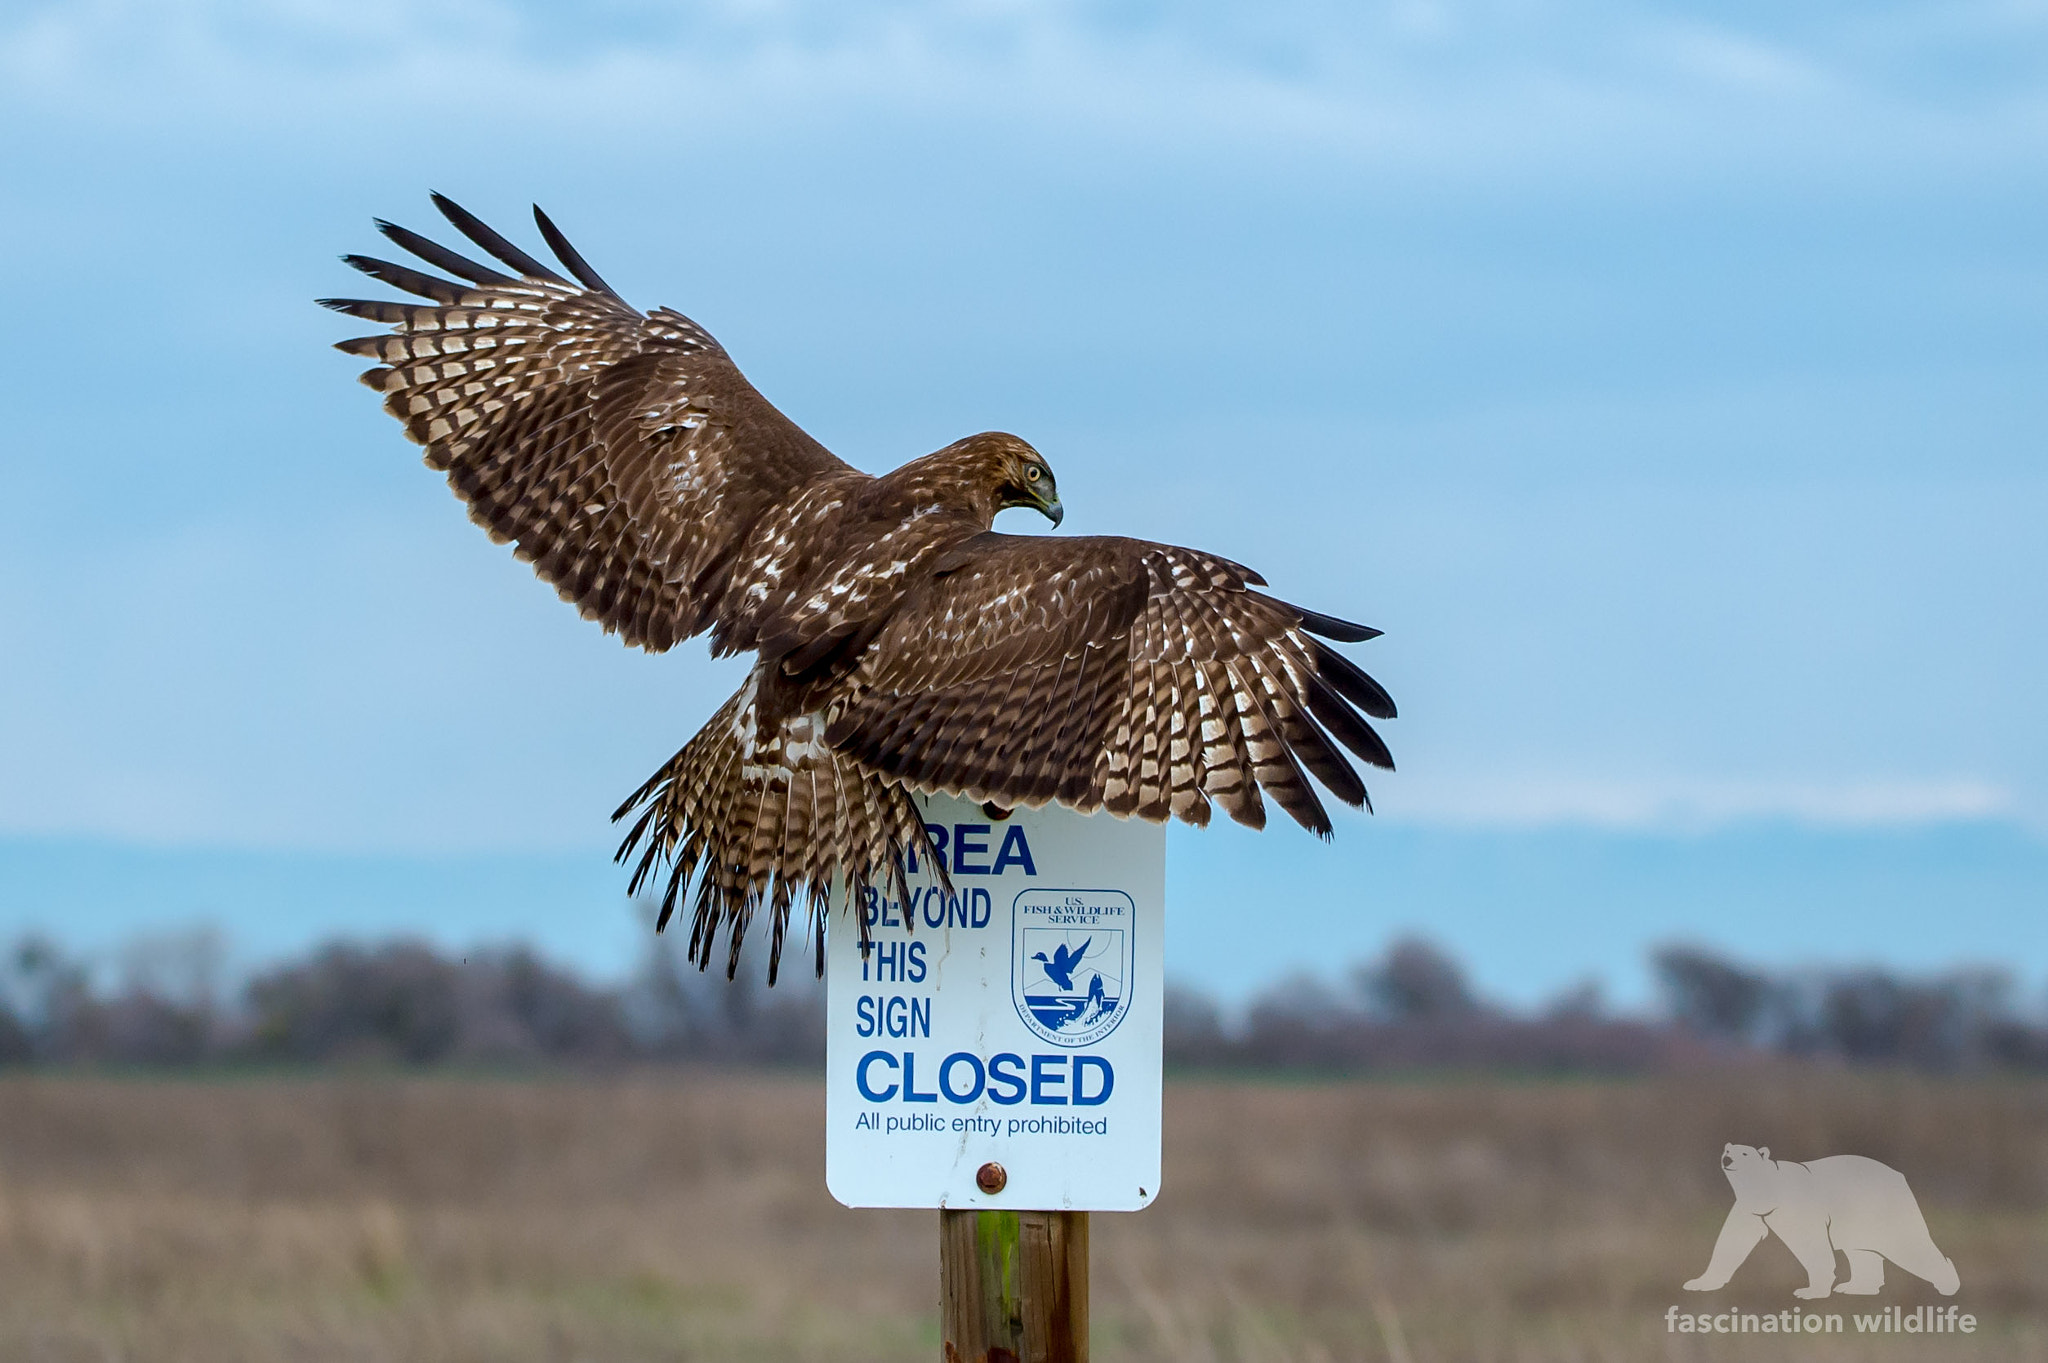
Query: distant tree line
[
  {"x": 397, "y": 1003},
  {"x": 1414, "y": 1008},
  {"x": 406, "y": 1003},
  {"x": 1963, "y": 1019}
]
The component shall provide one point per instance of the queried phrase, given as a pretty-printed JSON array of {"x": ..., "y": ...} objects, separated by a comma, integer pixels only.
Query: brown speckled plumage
[{"x": 902, "y": 645}]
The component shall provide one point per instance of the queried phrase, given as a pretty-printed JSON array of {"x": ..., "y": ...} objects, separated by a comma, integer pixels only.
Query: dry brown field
[{"x": 669, "y": 1216}]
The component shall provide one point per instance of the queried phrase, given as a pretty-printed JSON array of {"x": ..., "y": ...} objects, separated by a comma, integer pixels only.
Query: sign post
[
  {"x": 1013, "y": 1285},
  {"x": 995, "y": 1053}
]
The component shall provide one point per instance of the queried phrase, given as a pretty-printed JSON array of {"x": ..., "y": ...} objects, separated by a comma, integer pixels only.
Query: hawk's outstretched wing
[
  {"x": 623, "y": 453},
  {"x": 902, "y": 645},
  {"x": 1115, "y": 674}
]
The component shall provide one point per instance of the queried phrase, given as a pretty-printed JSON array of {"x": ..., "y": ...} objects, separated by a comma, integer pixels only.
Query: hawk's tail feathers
[{"x": 766, "y": 822}]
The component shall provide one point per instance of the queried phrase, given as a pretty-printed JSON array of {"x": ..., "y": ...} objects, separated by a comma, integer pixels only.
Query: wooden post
[{"x": 1014, "y": 1286}]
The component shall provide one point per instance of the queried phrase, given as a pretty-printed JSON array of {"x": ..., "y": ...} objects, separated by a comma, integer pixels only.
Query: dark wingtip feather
[
  {"x": 1313, "y": 749},
  {"x": 440, "y": 257},
  {"x": 1329, "y": 709},
  {"x": 570, "y": 256},
  {"x": 370, "y": 309},
  {"x": 1305, "y": 809},
  {"x": 407, "y": 278},
  {"x": 1330, "y": 627},
  {"x": 473, "y": 227},
  {"x": 1352, "y": 683}
]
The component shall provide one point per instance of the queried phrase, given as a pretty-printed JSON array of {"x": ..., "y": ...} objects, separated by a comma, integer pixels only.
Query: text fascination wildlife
[{"x": 901, "y": 645}]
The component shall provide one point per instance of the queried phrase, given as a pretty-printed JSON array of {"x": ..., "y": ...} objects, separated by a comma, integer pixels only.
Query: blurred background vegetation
[
  {"x": 680, "y": 1213},
  {"x": 167, "y": 1001},
  {"x": 389, "y": 1152}
]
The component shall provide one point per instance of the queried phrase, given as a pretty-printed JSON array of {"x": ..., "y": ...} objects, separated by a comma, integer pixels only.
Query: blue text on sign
[
  {"x": 896, "y": 962},
  {"x": 970, "y": 849},
  {"x": 895, "y": 1015},
  {"x": 968, "y": 909},
  {"x": 1007, "y": 1079}
]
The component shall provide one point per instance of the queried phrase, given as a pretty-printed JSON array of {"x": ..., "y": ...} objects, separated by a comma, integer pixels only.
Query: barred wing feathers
[
  {"x": 624, "y": 454},
  {"x": 1112, "y": 674}
]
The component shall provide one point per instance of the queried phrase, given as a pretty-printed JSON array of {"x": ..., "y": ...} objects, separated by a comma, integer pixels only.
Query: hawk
[{"x": 901, "y": 644}]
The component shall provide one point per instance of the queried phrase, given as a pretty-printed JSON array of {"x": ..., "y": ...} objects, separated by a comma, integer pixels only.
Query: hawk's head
[
  {"x": 980, "y": 476},
  {"x": 1026, "y": 479},
  {"x": 1009, "y": 469}
]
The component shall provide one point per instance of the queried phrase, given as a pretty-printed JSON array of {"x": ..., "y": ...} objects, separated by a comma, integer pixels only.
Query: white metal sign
[{"x": 1016, "y": 1022}]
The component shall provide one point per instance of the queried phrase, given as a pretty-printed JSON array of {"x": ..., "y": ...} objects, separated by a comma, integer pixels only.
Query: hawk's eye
[{"x": 1032, "y": 474}]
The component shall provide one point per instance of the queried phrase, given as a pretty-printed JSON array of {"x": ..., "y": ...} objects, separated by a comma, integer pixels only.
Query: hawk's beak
[{"x": 1054, "y": 512}]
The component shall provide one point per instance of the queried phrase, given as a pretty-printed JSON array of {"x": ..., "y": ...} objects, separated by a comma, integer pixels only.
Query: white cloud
[
  {"x": 1693, "y": 804},
  {"x": 1448, "y": 91},
  {"x": 1722, "y": 57}
]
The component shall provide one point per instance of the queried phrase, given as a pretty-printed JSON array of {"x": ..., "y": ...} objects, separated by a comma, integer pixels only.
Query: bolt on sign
[{"x": 999, "y": 1046}]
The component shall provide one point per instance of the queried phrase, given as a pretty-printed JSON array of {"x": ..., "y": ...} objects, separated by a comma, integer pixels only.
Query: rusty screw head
[{"x": 991, "y": 1177}]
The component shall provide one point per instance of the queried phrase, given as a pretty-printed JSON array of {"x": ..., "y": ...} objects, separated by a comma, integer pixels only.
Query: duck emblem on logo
[{"x": 1070, "y": 962}]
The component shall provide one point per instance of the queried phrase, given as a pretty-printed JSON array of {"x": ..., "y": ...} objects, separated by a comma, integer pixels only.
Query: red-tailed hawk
[{"x": 902, "y": 645}]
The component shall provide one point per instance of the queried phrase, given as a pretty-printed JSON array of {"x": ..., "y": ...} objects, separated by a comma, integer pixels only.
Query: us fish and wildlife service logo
[{"x": 1070, "y": 962}]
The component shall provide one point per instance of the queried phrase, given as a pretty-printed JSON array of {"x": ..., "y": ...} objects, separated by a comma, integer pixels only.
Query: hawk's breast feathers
[{"x": 902, "y": 645}]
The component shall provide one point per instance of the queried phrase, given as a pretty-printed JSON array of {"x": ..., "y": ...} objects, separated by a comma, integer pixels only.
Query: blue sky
[{"x": 1665, "y": 380}]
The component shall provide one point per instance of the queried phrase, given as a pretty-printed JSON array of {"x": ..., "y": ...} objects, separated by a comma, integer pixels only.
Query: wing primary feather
[
  {"x": 1313, "y": 749},
  {"x": 570, "y": 256},
  {"x": 404, "y": 277},
  {"x": 1277, "y": 768},
  {"x": 1351, "y": 682},
  {"x": 441, "y": 258},
  {"x": 1340, "y": 719},
  {"x": 1330, "y": 627},
  {"x": 477, "y": 231},
  {"x": 369, "y": 309}
]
